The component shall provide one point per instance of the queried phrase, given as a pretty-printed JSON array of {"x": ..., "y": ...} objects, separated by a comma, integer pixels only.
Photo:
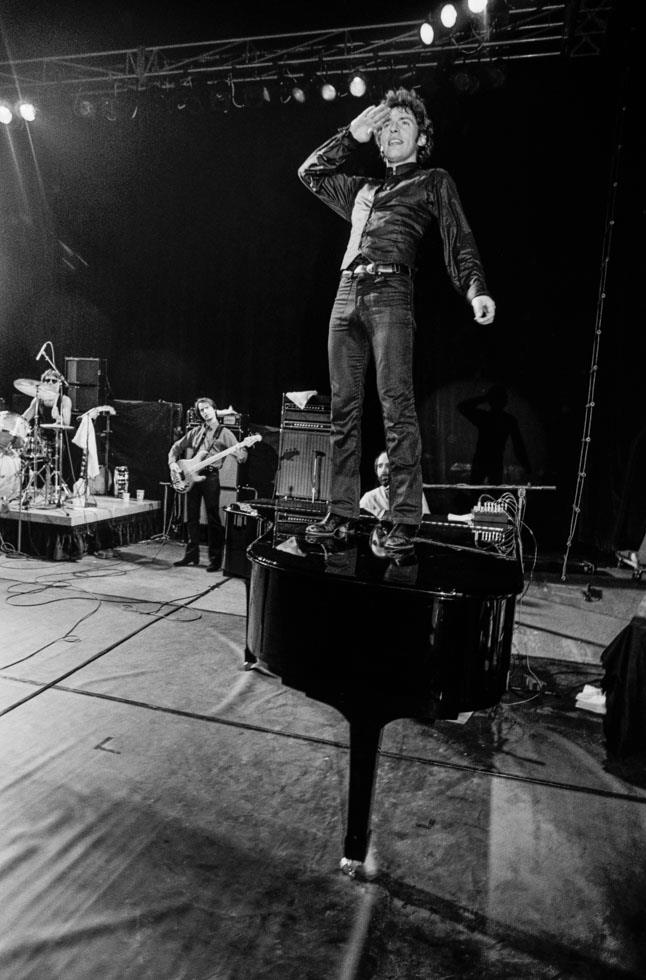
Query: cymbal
[
  {"x": 55, "y": 425},
  {"x": 47, "y": 391}
]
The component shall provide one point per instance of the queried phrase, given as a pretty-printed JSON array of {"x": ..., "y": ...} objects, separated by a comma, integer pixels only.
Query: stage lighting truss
[{"x": 505, "y": 30}]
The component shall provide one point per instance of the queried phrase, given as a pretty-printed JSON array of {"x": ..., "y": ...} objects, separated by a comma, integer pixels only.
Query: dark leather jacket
[{"x": 403, "y": 207}]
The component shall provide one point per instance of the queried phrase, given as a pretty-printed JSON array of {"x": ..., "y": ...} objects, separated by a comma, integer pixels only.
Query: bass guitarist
[{"x": 209, "y": 438}]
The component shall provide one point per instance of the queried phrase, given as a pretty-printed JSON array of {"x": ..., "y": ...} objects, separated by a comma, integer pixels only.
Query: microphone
[{"x": 41, "y": 351}]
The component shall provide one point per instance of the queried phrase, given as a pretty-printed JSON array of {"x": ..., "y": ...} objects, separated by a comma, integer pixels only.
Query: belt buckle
[{"x": 371, "y": 269}]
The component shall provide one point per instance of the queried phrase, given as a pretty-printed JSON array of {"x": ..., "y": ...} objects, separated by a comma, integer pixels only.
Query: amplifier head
[{"x": 316, "y": 410}]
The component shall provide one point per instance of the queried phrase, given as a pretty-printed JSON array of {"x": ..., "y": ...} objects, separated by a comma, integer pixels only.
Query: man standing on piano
[
  {"x": 373, "y": 309},
  {"x": 210, "y": 438}
]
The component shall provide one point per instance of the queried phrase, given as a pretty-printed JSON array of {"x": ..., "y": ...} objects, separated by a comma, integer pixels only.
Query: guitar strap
[{"x": 202, "y": 437}]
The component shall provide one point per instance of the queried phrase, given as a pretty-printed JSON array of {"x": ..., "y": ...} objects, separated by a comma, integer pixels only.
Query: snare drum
[
  {"x": 14, "y": 431},
  {"x": 9, "y": 475}
]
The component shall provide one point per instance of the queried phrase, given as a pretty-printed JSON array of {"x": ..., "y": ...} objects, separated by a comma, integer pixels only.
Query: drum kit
[{"x": 31, "y": 456}]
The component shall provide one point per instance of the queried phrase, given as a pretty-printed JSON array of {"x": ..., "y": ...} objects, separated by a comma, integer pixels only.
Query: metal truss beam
[
  {"x": 512, "y": 29},
  {"x": 587, "y": 26}
]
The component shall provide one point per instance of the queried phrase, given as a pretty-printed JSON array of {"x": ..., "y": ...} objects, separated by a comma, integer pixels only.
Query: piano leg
[
  {"x": 365, "y": 739},
  {"x": 249, "y": 659}
]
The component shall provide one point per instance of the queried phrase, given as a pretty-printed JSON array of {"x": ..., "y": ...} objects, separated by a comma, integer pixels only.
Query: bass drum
[{"x": 9, "y": 475}]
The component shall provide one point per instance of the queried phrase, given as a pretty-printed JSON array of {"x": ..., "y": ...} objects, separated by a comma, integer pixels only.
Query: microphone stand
[
  {"x": 106, "y": 451},
  {"x": 317, "y": 456},
  {"x": 60, "y": 489},
  {"x": 86, "y": 483}
]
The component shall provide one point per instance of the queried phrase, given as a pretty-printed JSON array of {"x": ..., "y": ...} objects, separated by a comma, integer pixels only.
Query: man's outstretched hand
[
  {"x": 484, "y": 309},
  {"x": 368, "y": 122}
]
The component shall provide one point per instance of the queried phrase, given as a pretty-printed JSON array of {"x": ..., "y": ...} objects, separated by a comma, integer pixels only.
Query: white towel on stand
[{"x": 85, "y": 439}]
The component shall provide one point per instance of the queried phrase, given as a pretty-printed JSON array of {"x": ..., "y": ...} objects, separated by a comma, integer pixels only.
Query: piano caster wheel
[
  {"x": 350, "y": 867},
  {"x": 364, "y": 870}
]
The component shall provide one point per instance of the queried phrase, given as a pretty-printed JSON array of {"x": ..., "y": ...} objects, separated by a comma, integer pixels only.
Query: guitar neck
[{"x": 213, "y": 459}]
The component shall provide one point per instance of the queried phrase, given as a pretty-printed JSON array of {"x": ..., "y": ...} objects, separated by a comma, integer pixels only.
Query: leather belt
[{"x": 374, "y": 269}]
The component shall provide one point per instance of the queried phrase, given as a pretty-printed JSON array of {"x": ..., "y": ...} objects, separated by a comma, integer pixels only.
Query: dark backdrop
[{"x": 183, "y": 249}]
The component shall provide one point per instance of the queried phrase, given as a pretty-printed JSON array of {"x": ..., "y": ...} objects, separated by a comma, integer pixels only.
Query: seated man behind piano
[{"x": 377, "y": 501}]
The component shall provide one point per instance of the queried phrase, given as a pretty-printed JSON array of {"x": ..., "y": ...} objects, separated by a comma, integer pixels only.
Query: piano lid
[{"x": 448, "y": 558}]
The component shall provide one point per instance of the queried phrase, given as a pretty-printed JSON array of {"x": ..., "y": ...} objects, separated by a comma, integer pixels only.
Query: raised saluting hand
[{"x": 369, "y": 121}]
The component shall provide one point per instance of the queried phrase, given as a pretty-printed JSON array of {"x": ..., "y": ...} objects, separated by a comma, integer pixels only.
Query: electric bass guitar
[{"x": 190, "y": 468}]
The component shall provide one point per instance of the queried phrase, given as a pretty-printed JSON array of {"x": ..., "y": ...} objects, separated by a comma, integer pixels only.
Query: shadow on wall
[{"x": 454, "y": 437}]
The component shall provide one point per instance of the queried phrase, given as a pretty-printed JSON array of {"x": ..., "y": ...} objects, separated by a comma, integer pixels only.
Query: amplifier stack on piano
[
  {"x": 302, "y": 483},
  {"x": 304, "y": 463}
]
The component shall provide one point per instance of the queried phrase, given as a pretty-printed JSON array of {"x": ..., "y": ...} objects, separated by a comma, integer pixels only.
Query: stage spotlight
[
  {"x": 465, "y": 81},
  {"x": 220, "y": 95},
  {"x": 495, "y": 75},
  {"x": 477, "y": 6},
  {"x": 26, "y": 110},
  {"x": 358, "y": 84},
  {"x": 6, "y": 113},
  {"x": 84, "y": 107},
  {"x": 448, "y": 15},
  {"x": 127, "y": 105},
  {"x": 328, "y": 91},
  {"x": 298, "y": 93},
  {"x": 426, "y": 33},
  {"x": 253, "y": 95},
  {"x": 108, "y": 109},
  {"x": 187, "y": 97}
]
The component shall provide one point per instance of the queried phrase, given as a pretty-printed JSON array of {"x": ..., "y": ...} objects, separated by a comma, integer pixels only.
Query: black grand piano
[{"x": 426, "y": 636}]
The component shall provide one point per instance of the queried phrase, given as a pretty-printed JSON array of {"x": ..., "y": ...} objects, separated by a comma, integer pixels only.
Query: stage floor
[{"x": 168, "y": 814}]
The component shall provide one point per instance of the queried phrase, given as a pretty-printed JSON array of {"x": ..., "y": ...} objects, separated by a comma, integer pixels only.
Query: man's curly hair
[{"x": 404, "y": 98}]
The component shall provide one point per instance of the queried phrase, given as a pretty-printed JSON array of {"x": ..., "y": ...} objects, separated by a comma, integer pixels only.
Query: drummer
[{"x": 53, "y": 397}]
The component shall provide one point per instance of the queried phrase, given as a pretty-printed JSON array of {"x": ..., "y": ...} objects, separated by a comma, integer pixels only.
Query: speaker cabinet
[
  {"x": 86, "y": 377},
  {"x": 304, "y": 463},
  {"x": 241, "y": 529},
  {"x": 142, "y": 433}
]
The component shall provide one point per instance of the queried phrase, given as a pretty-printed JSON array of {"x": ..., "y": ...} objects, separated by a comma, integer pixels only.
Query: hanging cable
[{"x": 606, "y": 249}]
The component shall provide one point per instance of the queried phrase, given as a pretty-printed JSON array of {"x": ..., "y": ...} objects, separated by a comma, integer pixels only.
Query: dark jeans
[
  {"x": 209, "y": 490},
  {"x": 374, "y": 314}
]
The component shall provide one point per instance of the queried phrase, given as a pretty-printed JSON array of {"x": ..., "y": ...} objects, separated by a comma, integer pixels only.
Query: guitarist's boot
[{"x": 192, "y": 557}]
